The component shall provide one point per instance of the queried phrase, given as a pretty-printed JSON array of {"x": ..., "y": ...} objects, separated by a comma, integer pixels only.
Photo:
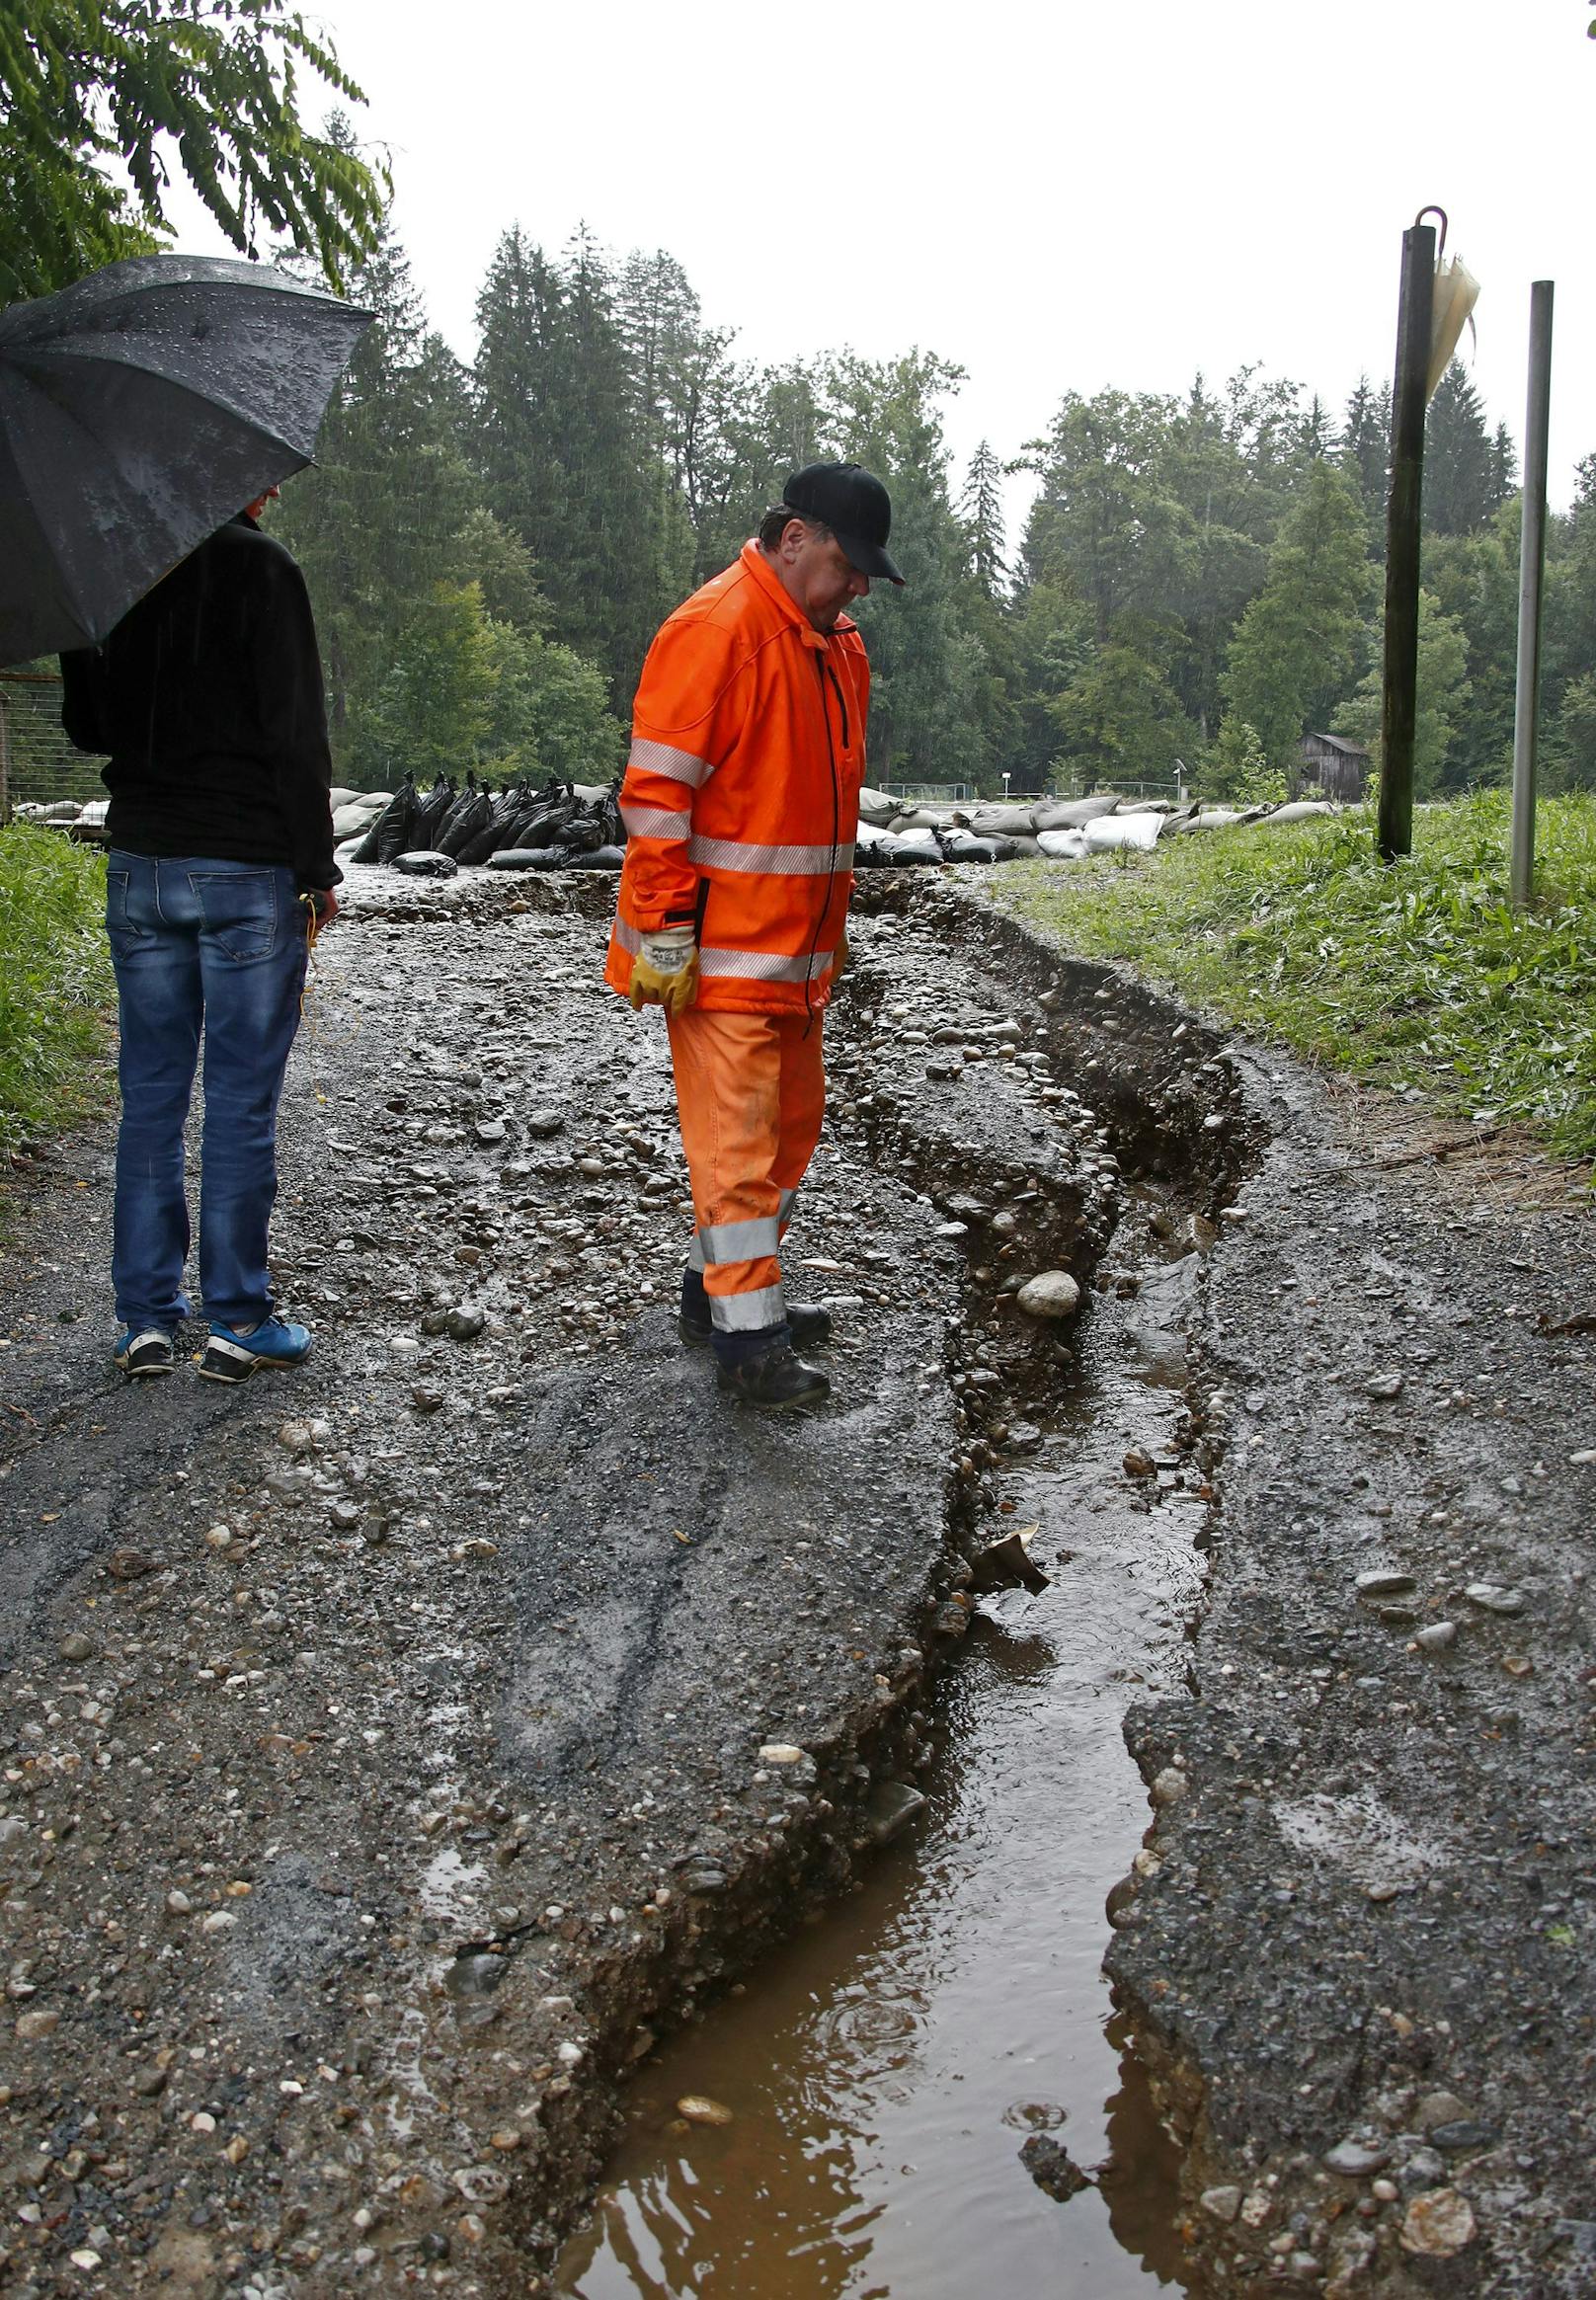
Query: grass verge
[
  {"x": 1420, "y": 977},
  {"x": 55, "y": 983}
]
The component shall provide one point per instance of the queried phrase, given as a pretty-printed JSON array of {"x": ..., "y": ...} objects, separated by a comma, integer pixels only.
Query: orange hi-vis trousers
[{"x": 750, "y": 1094}]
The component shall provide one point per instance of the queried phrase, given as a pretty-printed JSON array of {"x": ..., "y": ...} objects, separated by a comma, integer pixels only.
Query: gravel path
[{"x": 383, "y": 1745}]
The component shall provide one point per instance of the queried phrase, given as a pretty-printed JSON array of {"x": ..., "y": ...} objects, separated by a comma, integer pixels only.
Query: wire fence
[{"x": 37, "y": 764}]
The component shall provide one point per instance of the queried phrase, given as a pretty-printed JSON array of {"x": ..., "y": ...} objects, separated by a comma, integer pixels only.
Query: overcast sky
[{"x": 1057, "y": 198}]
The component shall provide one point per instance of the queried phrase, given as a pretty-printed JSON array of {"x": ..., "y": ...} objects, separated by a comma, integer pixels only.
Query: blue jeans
[{"x": 218, "y": 948}]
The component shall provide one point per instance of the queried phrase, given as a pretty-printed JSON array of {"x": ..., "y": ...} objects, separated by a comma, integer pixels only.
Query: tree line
[
  {"x": 1199, "y": 581},
  {"x": 490, "y": 545}
]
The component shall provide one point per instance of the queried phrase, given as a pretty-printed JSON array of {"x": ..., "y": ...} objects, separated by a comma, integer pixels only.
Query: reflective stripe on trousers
[{"x": 750, "y": 1093}]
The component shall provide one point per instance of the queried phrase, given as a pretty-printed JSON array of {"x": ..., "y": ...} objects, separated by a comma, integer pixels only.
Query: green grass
[
  {"x": 1416, "y": 976},
  {"x": 55, "y": 983}
]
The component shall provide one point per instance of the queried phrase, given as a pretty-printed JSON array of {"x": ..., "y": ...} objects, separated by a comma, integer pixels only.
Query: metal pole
[
  {"x": 1409, "y": 398},
  {"x": 1531, "y": 576}
]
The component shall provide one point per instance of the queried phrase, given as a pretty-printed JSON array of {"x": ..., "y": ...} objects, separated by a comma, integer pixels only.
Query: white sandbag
[
  {"x": 1021, "y": 850},
  {"x": 1212, "y": 819},
  {"x": 877, "y": 806},
  {"x": 1145, "y": 807},
  {"x": 922, "y": 836},
  {"x": 1001, "y": 821},
  {"x": 1111, "y": 831},
  {"x": 1072, "y": 814},
  {"x": 358, "y": 812},
  {"x": 1302, "y": 811},
  {"x": 869, "y": 835},
  {"x": 924, "y": 818},
  {"x": 1063, "y": 845},
  {"x": 338, "y": 797}
]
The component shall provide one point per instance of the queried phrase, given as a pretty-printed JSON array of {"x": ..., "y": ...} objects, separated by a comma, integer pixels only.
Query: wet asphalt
[{"x": 383, "y": 1742}]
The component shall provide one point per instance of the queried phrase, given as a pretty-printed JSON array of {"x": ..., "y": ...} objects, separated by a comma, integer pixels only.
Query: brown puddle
[{"x": 885, "y": 2069}]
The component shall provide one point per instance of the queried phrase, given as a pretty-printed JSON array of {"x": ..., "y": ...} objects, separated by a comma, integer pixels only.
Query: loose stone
[
  {"x": 1050, "y": 1294},
  {"x": 699, "y": 2108},
  {"x": 1438, "y": 2224},
  {"x": 1494, "y": 1597}
]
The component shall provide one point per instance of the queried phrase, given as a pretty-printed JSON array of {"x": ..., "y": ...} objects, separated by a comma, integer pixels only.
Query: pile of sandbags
[{"x": 556, "y": 826}]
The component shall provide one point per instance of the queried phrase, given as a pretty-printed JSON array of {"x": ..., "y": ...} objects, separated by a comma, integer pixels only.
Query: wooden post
[
  {"x": 1531, "y": 577},
  {"x": 1409, "y": 399}
]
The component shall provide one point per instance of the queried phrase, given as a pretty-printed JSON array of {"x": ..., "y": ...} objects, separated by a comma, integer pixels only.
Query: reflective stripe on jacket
[{"x": 742, "y": 793}]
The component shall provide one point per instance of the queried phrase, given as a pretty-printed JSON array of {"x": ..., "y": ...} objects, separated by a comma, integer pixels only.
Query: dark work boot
[
  {"x": 776, "y": 1380},
  {"x": 811, "y": 1325}
]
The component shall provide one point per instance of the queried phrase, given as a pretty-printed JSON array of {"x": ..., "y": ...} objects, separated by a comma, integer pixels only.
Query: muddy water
[{"x": 885, "y": 2071}]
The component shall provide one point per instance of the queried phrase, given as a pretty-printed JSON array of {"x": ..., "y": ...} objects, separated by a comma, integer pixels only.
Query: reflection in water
[{"x": 885, "y": 2070}]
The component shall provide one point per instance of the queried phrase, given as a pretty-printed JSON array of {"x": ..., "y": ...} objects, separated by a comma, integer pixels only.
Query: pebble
[
  {"x": 178, "y": 1904},
  {"x": 1169, "y": 1787},
  {"x": 893, "y": 1805},
  {"x": 1436, "y": 1636},
  {"x": 33, "y": 2027},
  {"x": 482, "y": 2185},
  {"x": 1438, "y": 2224},
  {"x": 1050, "y": 1294},
  {"x": 1224, "y": 2203},
  {"x": 1384, "y": 1385},
  {"x": 1494, "y": 1598},
  {"x": 1355, "y": 2159},
  {"x": 699, "y": 2108},
  {"x": 1386, "y": 1581},
  {"x": 781, "y": 1753},
  {"x": 77, "y": 1647}
]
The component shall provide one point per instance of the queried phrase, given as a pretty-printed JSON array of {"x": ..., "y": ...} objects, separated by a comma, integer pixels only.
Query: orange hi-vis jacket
[{"x": 742, "y": 793}]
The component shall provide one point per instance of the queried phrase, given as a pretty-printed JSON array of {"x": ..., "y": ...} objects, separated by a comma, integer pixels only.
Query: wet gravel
[{"x": 382, "y": 1746}]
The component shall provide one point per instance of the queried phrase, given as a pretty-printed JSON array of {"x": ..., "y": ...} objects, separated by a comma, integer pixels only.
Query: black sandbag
[
  {"x": 910, "y": 854},
  {"x": 546, "y": 827},
  {"x": 464, "y": 803},
  {"x": 518, "y": 859},
  {"x": 466, "y": 822},
  {"x": 582, "y": 834},
  {"x": 426, "y": 863},
  {"x": 964, "y": 846},
  {"x": 597, "y": 858},
  {"x": 507, "y": 821},
  {"x": 431, "y": 809},
  {"x": 389, "y": 834}
]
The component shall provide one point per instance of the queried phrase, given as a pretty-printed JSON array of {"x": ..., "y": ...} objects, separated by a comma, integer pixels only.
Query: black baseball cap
[{"x": 854, "y": 505}]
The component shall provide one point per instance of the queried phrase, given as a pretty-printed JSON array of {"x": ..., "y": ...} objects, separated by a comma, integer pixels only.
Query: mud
[{"x": 385, "y": 1745}]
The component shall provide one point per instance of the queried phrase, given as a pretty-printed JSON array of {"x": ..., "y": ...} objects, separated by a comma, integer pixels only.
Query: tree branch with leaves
[{"x": 93, "y": 92}]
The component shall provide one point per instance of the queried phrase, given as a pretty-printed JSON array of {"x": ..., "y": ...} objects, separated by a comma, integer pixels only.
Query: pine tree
[
  {"x": 1365, "y": 452},
  {"x": 1294, "y": 651},
  {"x": 1458, "y": 464},
  {"x": 981, "y": 508}
]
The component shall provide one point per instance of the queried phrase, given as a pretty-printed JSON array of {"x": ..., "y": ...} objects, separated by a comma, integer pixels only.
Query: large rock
[{"x": 1051, "y": 1294}]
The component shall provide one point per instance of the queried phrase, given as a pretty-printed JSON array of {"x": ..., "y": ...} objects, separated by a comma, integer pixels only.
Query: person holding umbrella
[{"x": 207, "y": 697}]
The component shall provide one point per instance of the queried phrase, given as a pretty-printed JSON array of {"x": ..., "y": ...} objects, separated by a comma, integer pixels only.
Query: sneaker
[
  {"x": 149, "y": 1352},
  {"x": 233, "y": 1357},
  {"x": 778, "y": 1380},
  {"x": 811, "y": 1328}
]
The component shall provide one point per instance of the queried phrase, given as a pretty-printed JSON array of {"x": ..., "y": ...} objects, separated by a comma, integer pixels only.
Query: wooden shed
[{"x": 1338, "y": 767}]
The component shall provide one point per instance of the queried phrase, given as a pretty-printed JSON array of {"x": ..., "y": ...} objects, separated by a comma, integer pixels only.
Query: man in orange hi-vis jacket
[{"x": 741, "y": 804}]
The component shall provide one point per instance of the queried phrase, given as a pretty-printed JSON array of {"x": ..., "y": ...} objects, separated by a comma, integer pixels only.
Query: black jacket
[{"x": 209, "y": 697}]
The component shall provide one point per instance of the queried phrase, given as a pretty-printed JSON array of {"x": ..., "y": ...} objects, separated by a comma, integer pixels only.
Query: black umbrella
[{"x": 139, "y": 409}]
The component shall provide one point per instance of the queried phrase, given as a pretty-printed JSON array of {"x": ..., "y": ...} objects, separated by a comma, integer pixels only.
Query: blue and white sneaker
[
  {"x": 233, "y": 1357},
  {"x": 148, "y": 1351}
]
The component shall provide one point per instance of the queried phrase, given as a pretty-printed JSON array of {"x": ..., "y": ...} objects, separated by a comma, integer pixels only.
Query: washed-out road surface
[{"x": 395, "y": 1750}]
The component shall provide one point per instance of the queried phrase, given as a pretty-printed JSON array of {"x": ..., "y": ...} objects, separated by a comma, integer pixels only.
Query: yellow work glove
[{"x": 664, "y": 972}]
